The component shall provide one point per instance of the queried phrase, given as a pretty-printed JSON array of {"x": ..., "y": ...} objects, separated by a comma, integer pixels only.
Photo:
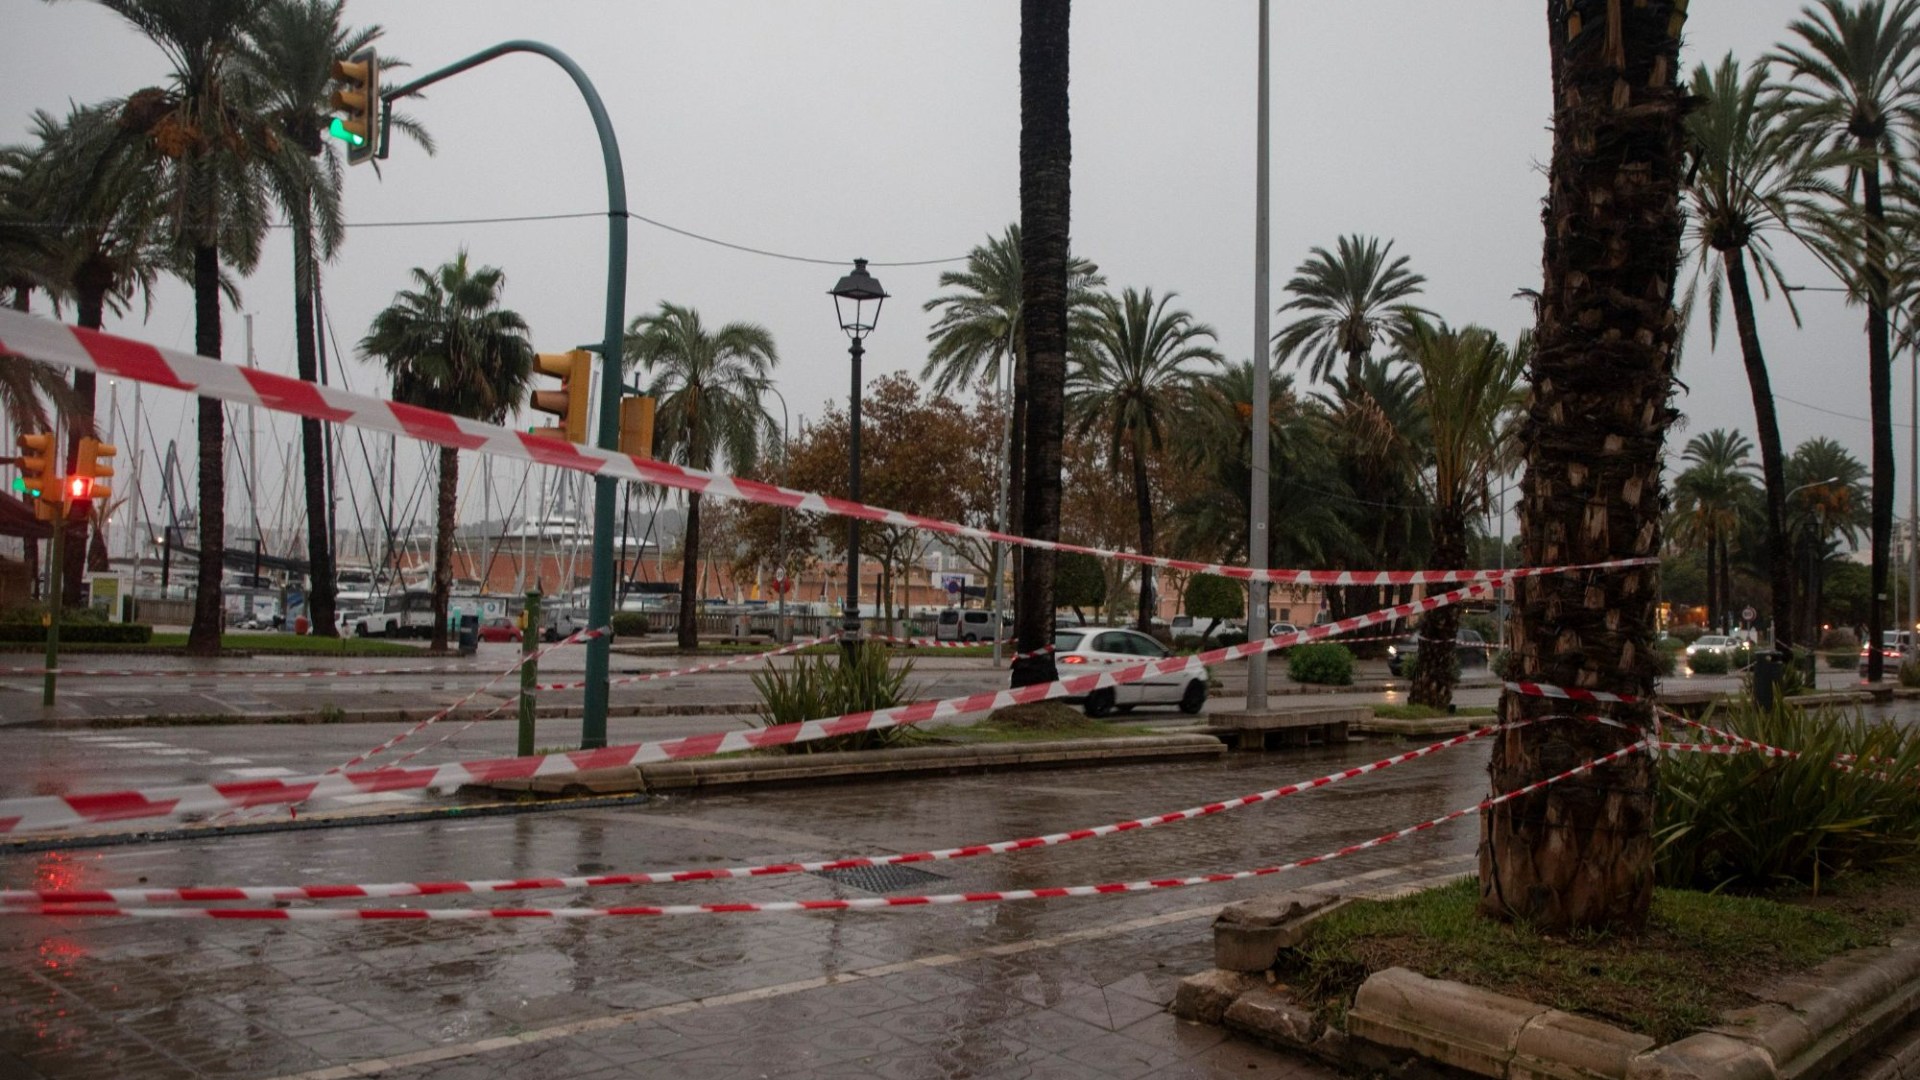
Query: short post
[
  {"x": 529, "y": 670},
  {"x": 56, "y": 559}
]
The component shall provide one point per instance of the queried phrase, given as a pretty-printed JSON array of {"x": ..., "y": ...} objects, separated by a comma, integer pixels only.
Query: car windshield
[
  {"x": 1713, "y": 639},
  {"x": 1066, "y": 640}
]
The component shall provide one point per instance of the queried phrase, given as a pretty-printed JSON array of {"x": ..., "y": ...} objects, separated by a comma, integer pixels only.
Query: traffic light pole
[
  {"x": 593, "y": 724},
  {"x": 56, "y": 559}
]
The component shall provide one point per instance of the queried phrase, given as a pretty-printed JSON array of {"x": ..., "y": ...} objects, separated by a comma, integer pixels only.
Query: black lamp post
[{"x": 856, "y": 300}]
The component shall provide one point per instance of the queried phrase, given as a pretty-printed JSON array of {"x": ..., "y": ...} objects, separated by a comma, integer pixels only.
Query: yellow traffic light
[
  {"x": 356, "y": 99},
  {"x": 575, "y": 371},
  {"x": 96, "y": 465},
  {"x": 636, "y": 426},
  {"x": 37, "y": 480}
]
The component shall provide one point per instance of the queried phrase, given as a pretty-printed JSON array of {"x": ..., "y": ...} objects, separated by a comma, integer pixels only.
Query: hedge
[{"x": 78, "y": 633}]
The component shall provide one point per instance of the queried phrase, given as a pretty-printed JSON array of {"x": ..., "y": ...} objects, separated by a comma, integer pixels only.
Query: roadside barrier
[
  {"x": 203, "y": 893},
  {"x": 66, "y": 811},
  {"x": 784, "y": 906},
  {"x": 123, "y": 358}
]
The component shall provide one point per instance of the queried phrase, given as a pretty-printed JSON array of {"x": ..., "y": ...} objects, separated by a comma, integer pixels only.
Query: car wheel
[
  {"x": 1123, "y": 708},
  {"x": 1194, "y": 699},
  {"x": 969, "y": 639},
  {"x": 1099, "y": 703}
]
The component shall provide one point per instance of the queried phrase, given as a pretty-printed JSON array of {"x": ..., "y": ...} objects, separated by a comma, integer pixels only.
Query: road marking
[
  {"x": 260, "y": 772},
  {"x": 376, "y": 1066},
  {"x": 228, "y": 761},
  {"x": 130, "y": 744}
]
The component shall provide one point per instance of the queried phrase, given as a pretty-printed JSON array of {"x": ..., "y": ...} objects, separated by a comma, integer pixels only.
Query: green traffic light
[
  {"x": 20, "y": 485},
  {"x": 338, "y": 129}
]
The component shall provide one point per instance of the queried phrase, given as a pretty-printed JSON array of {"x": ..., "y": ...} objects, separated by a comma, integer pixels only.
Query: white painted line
[
  {"x": 229, "y": 761},
  {"x": 260, "y": 772}
]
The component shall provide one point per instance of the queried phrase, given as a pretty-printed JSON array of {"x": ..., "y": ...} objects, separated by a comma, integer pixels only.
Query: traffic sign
[{"x": 1748, "y": 614}]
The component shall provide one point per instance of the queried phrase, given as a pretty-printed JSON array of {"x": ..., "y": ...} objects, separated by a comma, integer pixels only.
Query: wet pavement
[{"x": 1052, "y": 988}]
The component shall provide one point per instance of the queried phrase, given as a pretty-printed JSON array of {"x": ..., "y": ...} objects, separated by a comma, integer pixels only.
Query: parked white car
[
  {"x": 1081, "y": 650},
  {"x": 1710, "y": 643}
]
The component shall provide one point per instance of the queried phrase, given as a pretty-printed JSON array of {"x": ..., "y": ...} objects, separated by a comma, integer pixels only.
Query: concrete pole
[{"x": 1257, "y": 539}]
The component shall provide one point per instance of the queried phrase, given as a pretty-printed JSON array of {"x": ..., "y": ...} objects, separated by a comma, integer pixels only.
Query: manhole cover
[{"x": 886, "y": 878}]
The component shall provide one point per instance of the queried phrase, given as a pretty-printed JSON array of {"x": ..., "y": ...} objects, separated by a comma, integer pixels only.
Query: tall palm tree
[
  {"x": 710, "y": 388},
  {"x": 1379, "y": 433},
  {"x": 450, "y": 346},
  {"x": 1470, "y": 387},
  {"x": 1748, "y": 178},
  {"x": 1853, "y": 83},
  {"x": 208, "y": 147},
  {"x": 289, "y": 57},
  {"x": 1354, "y": 299},
  {"x": 1710, "y": 495},
  {"x": 979, "y": 327},
  {"x": 1826, "y": 509},
  {"x": 1132, "y": 376},
  {"x": 1046, "y": 205},
  {"x": 1580, "y": 853}
]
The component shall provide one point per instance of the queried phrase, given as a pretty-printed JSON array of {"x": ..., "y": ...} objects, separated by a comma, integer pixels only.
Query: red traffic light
[{"x": 79, "y": 488}]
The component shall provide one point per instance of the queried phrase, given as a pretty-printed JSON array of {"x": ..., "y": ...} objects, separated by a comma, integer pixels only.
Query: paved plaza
[{"x": 1072, "y": 987}]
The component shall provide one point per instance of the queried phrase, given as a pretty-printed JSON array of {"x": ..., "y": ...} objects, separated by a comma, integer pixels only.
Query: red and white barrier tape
[
  {"x": 66, "y": 811},
  {"x": 775, "y": 907},
  {"x": 626, "y": 680},
  {"x": 1043, "y": 650},
  {"x": 123, "y": 358},
  {"x": 204, "y": 893},
  {"x": 1546, "y": 690}
]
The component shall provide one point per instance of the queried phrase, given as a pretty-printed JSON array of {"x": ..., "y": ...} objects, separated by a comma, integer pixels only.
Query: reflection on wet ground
[{"x": 1050, "y": 988}]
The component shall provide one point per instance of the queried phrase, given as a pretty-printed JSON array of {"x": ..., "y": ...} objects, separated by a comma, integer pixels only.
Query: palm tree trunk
[
  {"x": 1713, "y": 582},
  {"x": 689, "y": 628},
  {"x": 1580, "y": 853},
  {"x": 1880, "y": 391},
  {"x": 208, "y": 614},
  {"x": 1773, "y": 461},
  {"x": 313, "y": 462},
  {"x": 90, "y": 310},
  {"x": 1143, "y": 507},
  {"x": 1046, "y": 168},
  {"x": 1433, "y": 677},
  {"x": 443, "y": 527},
  {"x": 1017, "y": 460}
]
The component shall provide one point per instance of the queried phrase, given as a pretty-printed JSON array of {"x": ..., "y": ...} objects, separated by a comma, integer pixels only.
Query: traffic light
[
  {"x": 78, "y": 490},
  {"x": 636, "y": 426},
  {"x": 94, "y": 464},
  {"x": 356, "y": 98},
  {"x": 575, "y": 371},
  {"x": 37, "y": 480}
]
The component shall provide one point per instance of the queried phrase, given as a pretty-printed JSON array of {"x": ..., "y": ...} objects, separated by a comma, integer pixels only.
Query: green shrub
[
  {"x": 1482, "y": 622},
  {"x": 817, "y": 687},
  {"x": 1410, "y": 667},
  {"x": 1839, "y": 637},
  {"x": 1847, "y": 659},
  {"x": 1910, "y": 673},
  {"x": 78, "y": 633},
  {"x": 1328, "y": 663},
  {"x": 1187, "y": 642},
  {"x": 1500, "y": 663},
  {"x": 1751, "y": 822},
  {"x": 1666, "y": 661},
  {"x": 31, "y": 614},
  {"x": 629, "y": 624},
  {"x": 1231, "y": 637},
  {"x": 1710, "y": 662}
]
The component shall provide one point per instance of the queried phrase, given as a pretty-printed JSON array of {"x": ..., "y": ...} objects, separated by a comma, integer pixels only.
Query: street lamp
[
  {"x": 781, "y": 584},
  {"x": 851, "y": 298}
]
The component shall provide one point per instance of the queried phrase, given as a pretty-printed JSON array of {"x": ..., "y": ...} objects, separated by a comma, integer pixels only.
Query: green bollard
[{"x": 529, "y": 670}]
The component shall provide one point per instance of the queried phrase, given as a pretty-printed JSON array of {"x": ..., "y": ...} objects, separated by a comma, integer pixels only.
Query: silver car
[{"x": 1083, "y": 650}]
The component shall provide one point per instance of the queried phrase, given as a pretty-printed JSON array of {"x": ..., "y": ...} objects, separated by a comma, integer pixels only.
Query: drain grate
[{"x": 890, "y": 877}]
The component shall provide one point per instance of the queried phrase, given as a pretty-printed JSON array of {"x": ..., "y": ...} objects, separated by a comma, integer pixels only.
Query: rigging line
[
  {"x": 385, "y": 517},
  {"x": 1834, "y": 412}
]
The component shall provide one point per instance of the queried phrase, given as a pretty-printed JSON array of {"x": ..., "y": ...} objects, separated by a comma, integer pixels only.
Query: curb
[{"x": 835, "y": 767}]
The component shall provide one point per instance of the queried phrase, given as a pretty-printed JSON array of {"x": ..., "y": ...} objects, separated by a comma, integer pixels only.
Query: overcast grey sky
[{"x": 829, "y": 129}]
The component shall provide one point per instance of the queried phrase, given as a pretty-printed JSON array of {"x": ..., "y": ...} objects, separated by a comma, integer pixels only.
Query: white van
[{"x": 955, "y": 624}]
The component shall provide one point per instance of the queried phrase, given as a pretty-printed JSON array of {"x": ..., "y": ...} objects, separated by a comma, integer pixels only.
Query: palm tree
[
  {"x": 1853, "y": 84},
  {"x": 979, "y": 327},
  {"x": 289, "y": 58},
  {"x": 1470, "y": 387},
  {"x": 1579, "y": 855},
  {"x": 710, "y": 387},
  {"x": 208, "y": 148},
  {"x": 1354, "y": 299},
  {"x": 1378, "y": 432},
  {"x": 1305, "y": 489},
  {"x": 450, "y": 346},
  {"x": 1046, "y": 204},
  {"x": 1710, "y": 496},
  {"x": 1747, "y": 179},
  {"x": 1133, "y": 375},
  {"x": 1826, "y": 508}
]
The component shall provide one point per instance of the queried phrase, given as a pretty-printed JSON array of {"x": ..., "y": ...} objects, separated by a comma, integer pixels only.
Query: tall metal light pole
[
  {"x": 850, "y": 299},
  {"x": 1257, "y": 541},
  {"x": 782, "y": 583}
]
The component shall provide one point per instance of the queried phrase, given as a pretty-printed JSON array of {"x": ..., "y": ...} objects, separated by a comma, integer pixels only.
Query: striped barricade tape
[
  {"x": 118, "y": 357},
  {"x": 1547, "y": 690},
  {"x": 66, "y": 811},
  {"x": 206, "y": 893},
  {"x": 783, "y": 906}
]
